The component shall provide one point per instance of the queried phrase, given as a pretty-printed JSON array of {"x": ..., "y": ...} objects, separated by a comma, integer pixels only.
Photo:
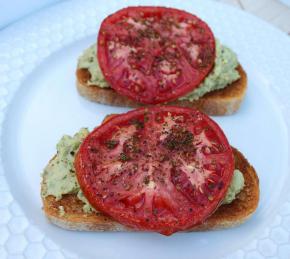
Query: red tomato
[
  {"x": 160, "y": 169},
  {"x": 155, "y": 54}
]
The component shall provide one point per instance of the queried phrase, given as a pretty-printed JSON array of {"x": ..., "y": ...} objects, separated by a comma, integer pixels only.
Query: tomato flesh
[
  {"x": 155, "y": 54},
  {"x": 162, "y": 169}
]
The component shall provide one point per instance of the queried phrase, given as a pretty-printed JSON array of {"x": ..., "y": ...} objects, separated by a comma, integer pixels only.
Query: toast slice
[
  {"x": 220, "y": 102},
  {"x": 225, "y": 216}
]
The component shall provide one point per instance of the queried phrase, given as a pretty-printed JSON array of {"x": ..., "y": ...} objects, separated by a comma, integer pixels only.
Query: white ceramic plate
[
  {"x": 286, "y": 2},
  {"x": 39, "y": 103}
]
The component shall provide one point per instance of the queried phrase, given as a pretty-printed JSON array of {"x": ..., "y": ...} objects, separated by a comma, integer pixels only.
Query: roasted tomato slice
[
  {"x": 155, "y": 54},
  {"x": 160, "y": 169}
]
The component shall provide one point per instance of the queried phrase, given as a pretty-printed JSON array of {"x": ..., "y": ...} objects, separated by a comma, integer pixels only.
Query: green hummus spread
[
  {"x": 89, "y": 61},
  {"x": 237, "y": 184},
  {"x": 60, "y": 177},
  {"x": 223, "y": 73}
]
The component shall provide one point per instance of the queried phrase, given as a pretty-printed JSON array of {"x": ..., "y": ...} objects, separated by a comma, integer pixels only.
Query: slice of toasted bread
[
  {"x": 220, "y": 102},
  {"x": 225, "y": 216}
]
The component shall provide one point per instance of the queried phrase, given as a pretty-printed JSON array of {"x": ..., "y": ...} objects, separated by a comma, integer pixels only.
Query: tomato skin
[
  {"x": 174, "y": 205},
  {"x": 141, "y": 75}
]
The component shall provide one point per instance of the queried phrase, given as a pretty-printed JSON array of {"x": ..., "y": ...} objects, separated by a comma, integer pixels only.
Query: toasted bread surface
[
  {"x": 225, "y": 216},
  {"x": 220, "y": 102}
]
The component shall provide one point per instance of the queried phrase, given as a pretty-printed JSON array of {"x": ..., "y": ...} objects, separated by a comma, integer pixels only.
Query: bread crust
[
  {"x": 225, "y": 216},
  {"x": 220, "y": 102}
]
